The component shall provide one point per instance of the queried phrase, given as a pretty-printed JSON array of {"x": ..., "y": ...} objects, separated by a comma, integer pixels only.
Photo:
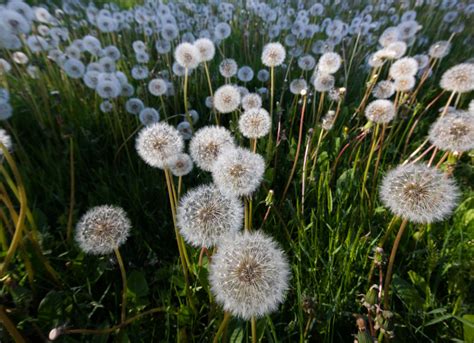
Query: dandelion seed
[
  {"x": 419, "y": 193},
  {"x": 249, "y": 275},
  {"x": 205, "y": 215},
  {"x": 102, "y": 229}
]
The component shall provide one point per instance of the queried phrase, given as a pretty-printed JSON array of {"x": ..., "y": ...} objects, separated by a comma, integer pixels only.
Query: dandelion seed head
[
  {"x": 180, "y": 164},
  {"x": 208, "y": 143},
  {"x": 255, "y": 123},
  {"x": 228, "y": 68},
  {"x": 440, "y": 49},
  {"x": 205, "y": 214},
  {"x": 157, "y": 87},
  {"x": 396, "y": 50},
  {"x": 206, "y": 49},
  {"x": 329, "y": 63},
  {"x": 404, "y": 83},
  {"x": 453, "y": 132},
  {"x": 419, "y": 193},
  {"x": 459, "y": 79},
  {"x": 383, "y": 89},
  {"x": 238, "y": 171},
  {"x": 226, "y": 99},
  {"x": 380, "y": 111},
  {"x": 149, "y": 116},
  {"x": 251, "y": 100},
  {"x": 406, "y": 66},
  {"x": 158, "y": 142},
  {"x": 249, "y": 275},
  {"x": 187, "y": 55},
  {"x": 297, "y": 85},
  {"x": 102, "y": 229},
  {"x": 273, "y": 54},
  {"x": 323, "y": 82}
]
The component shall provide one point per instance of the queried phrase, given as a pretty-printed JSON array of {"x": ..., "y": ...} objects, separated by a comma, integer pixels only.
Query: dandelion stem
[
  {"x": 115, "y": 327},
  {"x": 21, "y": 217},
  {"x": 72, "y": 190},
  {"x": 124, "y": 284},
  {"x": 10, "y": 326},
  {"x": 254, "y": 329},
  {"x": 222, "y": 327},
  {"x": 388, "y": 275},
  {"x": 298, "y": 147},
  {"x": 369, "y": 159}
]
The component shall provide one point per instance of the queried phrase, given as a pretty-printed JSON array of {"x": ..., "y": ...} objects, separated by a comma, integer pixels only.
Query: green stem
[
  {"x": 388, "y": 275},
  {"x": 124, "y": 285},
  {"x": 222, "y": 327},
  {"x": 254, "y": 329}
]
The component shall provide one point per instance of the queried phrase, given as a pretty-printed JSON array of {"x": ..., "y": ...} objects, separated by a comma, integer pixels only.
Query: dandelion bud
[{"x": 55, "y": 333}]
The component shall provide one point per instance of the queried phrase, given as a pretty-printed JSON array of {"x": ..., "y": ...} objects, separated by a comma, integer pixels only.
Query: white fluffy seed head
[
  {"x": 187, "y": 55},
  {"x": 323, "y": 82},
  {"x": 226, "y": 99},
  {"x": 249, "y": 275},
  {"x": 396, "y": 50},
  {"x": 102, "y": 229},
  {"x": 251, "y": 100},
  {"x": 180, "y": 164},
  {"x": 238, "y": 171},
  {"x": 383, "y": 89},
  {"x": 406, "y": 66},
  {"x": 157, "y": 87},
  {"x": 453, "y": 132},
  {"x": 440, "y": 49},
  {"x": 404, "y": 83},
  {"x": 255, "y": 123},
  {"x": 6, "y": 140},
  {"x": 207, "y": 144},
  {"x": 329, "y": 63},
  {"x": 206, "y": 49},
  {"x": 157, "y": 143},
  {"x": 205, "y": 215},
  {"x": 228, "y": 68},
  {"x": 459, "y": 79},
  {"x": 273, "y": 54},
  {"x": 297, "y": 86},
  {"x": 380, "y": 111},
  {"x": 419, "y": 193}
]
